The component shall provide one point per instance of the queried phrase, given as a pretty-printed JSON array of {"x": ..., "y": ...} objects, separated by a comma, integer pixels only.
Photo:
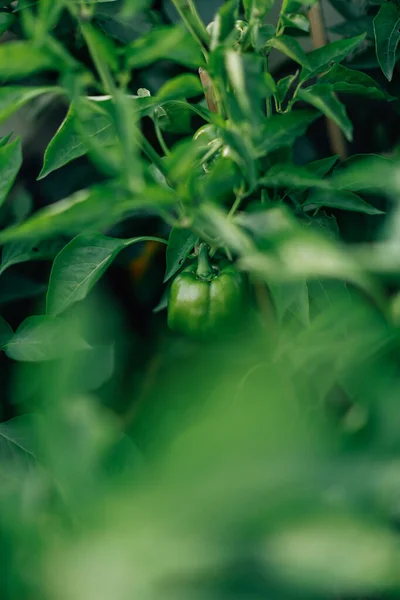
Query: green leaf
[
  {"x": 321, "y": 58},
  {"x": 10, "y": 164},
  {"x": 292, "y": 177},
  {"x": 6, "y": 332},
  {"x": 322, "y": 166},
  {"x": 95, "y": 209},
  {"x": 67, "y": 144},
  {"x": 282, "y": 130},
  {"x": 291, "y": 47},
  {"x": 291, "y": 297},
  {"x": 348, "y": 81},
  {"x": 182, "y": 86},
  {"x": 44, "y": 338},
  {"x": 6, "y": 20},
  {"x": 20, "y": 59},
  {"x": 12, "y": 98},
  {"x": 339, "y": 199},
  {"x": 180, "y": 244},
  {"x": 368, "y": 172},
  {"x": 249, "y": 87},
  {"x": 17, "y": 444},
  {"x": 297, "y": 21},
  {"x": 78, "y": 267},
  {"x": 19, "y": 252},
  {"x": 387, "y": 36},
  {"x": 224, "y": 23},
  {"x": 171, "y": 43},
  {"x": 322, "y": 97}
]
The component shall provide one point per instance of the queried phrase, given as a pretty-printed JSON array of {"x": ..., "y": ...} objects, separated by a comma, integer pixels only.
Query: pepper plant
[{"x": 287, "y": 331}]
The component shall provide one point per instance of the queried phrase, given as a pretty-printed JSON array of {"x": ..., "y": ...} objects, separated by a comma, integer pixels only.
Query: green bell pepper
[{"x": 206, "y": 301}]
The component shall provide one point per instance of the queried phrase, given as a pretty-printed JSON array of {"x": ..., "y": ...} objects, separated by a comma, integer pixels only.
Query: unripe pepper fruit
[{"x": 207, "y": 301}]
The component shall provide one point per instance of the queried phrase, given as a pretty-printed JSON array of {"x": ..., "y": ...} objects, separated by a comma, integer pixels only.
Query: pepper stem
[{"x": 204, "y": 270}]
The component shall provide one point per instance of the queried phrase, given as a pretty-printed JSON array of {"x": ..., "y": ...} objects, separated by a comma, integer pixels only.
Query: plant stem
[
  {"x": 203, "y": 266},
  {"x": 160, "y": 137}
]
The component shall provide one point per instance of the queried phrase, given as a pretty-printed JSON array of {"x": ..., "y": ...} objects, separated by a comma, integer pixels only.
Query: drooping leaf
[
  {"x": 78, "y": 267},
  {"x": 172, "y": 43},
  {"x": 387, "y": 36},
  {"x": 322, "y": 97},
  {"x": 282, "y": 130},
  {"x": 348, "y": 81},
  {"x": 180, "y": 244},
  {"x": 95, "y": 209},
  {"x": 339, "y": 199},
  {"x": 334, "y": 52},
  {"x": 10, "y": 163},
  {"x": 41, "y": 338},
  {"x": 292, "y": 177},
  {"x": 283, "y": 86},
  {"x": 19, "y": 252},
  {"x": 291, "y": 47}
]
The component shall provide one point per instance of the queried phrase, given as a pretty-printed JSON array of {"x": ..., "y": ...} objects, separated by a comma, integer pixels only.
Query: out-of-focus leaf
[
  {"x": 366, "y": 172},
  {"x": 296, "y": 20},
  {"x": 171, "y": 43},
  {"x": 10, "y": 163},
  {"x": 16, "y": 287},
  {"x": 224, "y": 23},
  {"x": 257, "y": 9},
  {"x": 340, "y": 199},
  {"x": 322, "y": 97},
  {"x": 180, "y": 244},
  {"x": 348, "y": 81},
  {"x": 19, "y": 252},
  {"x": 6, "y": 20},
  {"x": 17, "y": 443},
  {"x": 78, "y": 267},
  {"x": 282, "y": 130},
  {"x": 20, "y": 59},
  {"x": 292, "y": 177},
  {"x": 96, "y": 209},
  {"x": 6, "y": 332},
  {"x": 181, "y": 86},
  {"x": 44, "y": 338},
  {"x": 387, "y": 36}
]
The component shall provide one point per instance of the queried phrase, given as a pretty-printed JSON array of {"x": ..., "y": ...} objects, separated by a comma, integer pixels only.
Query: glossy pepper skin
[{"x": 206, "y": 301}]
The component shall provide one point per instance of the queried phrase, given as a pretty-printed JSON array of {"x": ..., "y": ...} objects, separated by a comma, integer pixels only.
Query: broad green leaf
[
  {"x": 348, "y": 81},
  {"x": 101, "y": 47},
  {"x": 334, "y": 52},
  {"x": 12, "y": 98},
  {"x": 42, "y": 338},
  {"x": 368, "y": 172},
  {"x": 10, "y": 163},
  {"x": 291, "y": 47},
  {"x": 95, "y": 209},
  {"x": 322, "y": 97},
  {"x": 6, "y": 332},
  {"x": 180, "y": 244},
  {"x": 296, "y": 20},
  {"x": 20, "y": 59},
  {"x": 181, "y": 86},
  {"x": 339, "y": 199},
  {"x": 78, "y": 267},
  {"x": 387, "y": 36},
  {"x": 19, "y": 252},
  {"x": 282, "y": 130},
  {"x": 171, "y": 43},
  {"x": 291, "y": 297},
  {"x": 292, "y": 177},
  {"x": 67, "y": 144}
]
